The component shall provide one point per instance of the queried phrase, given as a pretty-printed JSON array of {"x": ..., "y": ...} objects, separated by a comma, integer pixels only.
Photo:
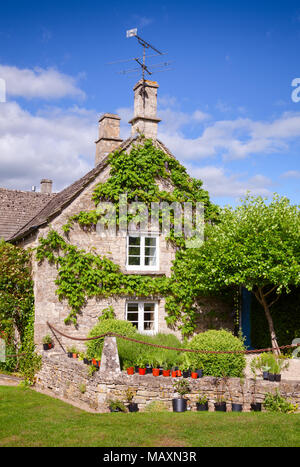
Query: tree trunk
[{"x": 274, "y": 342}]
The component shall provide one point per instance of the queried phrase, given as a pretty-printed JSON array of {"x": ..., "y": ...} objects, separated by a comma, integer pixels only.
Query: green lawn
[{"x": 28, "y": 418}]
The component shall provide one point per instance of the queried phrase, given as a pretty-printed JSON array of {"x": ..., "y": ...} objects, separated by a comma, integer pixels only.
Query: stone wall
[{"x": 66, "y": 379}]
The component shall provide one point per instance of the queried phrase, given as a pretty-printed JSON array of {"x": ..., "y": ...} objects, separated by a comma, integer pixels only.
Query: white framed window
[
  {"x": 143, "y": 315},
  {"x": 142, "y": 252}
]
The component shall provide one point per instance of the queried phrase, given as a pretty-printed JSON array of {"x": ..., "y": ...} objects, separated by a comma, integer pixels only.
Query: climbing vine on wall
[{"x": 140, "y": 174}]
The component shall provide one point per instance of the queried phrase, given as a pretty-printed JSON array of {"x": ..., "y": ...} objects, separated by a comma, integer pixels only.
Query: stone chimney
[
  {"x": 46, "y": 186},
  {"x": 145, "y": 105},
  {"x": 109, "y": 136}
]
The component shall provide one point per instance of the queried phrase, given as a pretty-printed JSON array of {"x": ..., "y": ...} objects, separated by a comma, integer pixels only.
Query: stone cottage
[{"x": 154, "y": 257}]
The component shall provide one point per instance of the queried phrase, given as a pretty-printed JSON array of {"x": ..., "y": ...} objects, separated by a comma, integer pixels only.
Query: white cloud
[
  {"x": 52, "y": 144},
  {"x": 39, "y": 83},
  {"x": 291, "y": 174},
  {"x": 219, "y": 183}
]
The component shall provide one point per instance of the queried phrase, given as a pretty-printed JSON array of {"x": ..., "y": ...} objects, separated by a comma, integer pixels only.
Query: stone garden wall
[{"x": 68, "y": 380}]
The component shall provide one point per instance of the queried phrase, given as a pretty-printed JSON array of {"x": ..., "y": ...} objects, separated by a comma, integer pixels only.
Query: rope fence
[{"x": 113, "y": 334}]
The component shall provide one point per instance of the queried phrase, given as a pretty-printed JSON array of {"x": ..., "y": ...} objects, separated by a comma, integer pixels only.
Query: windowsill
[{"x": 144, "y": 273}]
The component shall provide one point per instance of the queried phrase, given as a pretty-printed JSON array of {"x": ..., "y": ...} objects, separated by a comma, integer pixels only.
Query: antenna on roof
[{"x": 141, "y": 61}]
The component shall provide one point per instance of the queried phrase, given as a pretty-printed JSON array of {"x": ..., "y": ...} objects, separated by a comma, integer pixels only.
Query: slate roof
[
  {"x": 66, "y": 196},
  {"x": 17, "y": 208}
]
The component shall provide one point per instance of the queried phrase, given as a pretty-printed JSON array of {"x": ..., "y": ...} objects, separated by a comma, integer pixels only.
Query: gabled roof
[
  {"x": 62, "y": 199},
  {"x": 17, "y": 208}
]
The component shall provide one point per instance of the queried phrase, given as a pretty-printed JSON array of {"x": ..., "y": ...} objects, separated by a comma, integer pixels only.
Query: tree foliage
[{"x": 256, "y": 246}]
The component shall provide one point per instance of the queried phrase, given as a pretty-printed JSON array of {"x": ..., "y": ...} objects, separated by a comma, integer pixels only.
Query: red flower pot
[
  {"x": 179, "y": 373},
  {"x": 166, "y": 372},
  {"x": 194, "y": 375},
  {"x": 94, "y": 361},
  {"x": 98, "y": 363},
  {"x": 155, "y": 371},
  {"x": 142, "y": 371},
  {"x": 174, "y": 374},
  {"x": 130, "y": 370},
  {"x": 74, "y": 355}
]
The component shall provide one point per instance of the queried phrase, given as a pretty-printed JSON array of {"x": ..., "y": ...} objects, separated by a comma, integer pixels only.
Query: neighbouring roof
[
  {"x": 17, "y": 208},
  {"x": 62, "y": 199}
]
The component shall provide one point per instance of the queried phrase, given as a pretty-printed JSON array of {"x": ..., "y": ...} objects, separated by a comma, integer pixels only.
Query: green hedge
[{"x": 217, "y": 364}]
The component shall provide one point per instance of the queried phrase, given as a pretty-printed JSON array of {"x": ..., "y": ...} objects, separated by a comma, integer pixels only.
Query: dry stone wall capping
[{"x": 64, "y": 378}]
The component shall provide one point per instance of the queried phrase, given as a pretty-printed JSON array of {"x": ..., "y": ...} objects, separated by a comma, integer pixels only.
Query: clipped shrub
[
  {"x": 217, "y": 365},
  {"x": 124, "y": 328}
]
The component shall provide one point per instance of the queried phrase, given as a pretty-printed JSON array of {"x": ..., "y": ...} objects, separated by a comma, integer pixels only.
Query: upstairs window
[{"x": 142, "y": 252}]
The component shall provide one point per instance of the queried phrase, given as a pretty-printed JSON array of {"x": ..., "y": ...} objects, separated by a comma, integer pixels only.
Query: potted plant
[
  {"x": 182, "y": 388},
  {"x": 220, "y": 404},
  {"x": 155, "y": 368},
  {"x": 174, "y": 372},
  {"x": 166, "y": 369},
  {"x": 116, "y": 406},
  {"x": 186, "y": 373},
  {"x": 47, "y": 342},
  {"x": 265, "y": 370},
  {"x": 141, "y": 365},
  {"x": 202, "y": 403},
  {"x": 69, "y": 352},
  {"x": 237, "y": 407},
  {"x": 194, "y": 373},
  {"x": 279, "y": 364},
  {"x": 132, "y": 406},
  {"x": 129, "y": 367}
]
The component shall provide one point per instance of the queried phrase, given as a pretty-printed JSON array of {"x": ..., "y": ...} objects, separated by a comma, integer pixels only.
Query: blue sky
[{"x": 226, "y": 105}]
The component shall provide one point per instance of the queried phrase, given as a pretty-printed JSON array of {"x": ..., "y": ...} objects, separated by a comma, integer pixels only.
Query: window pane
[
  {"x": 134, "y": 241},
  {"x": 148, "y": 326},
  {"x": 150, "y": 261},
  {"x": 134, "y": 261},
  {"x": 134, "y": 251},
  {"x": 132, "y": 306},
  {"x": 149, "y": 306},
  {"x": 150, "y": 241},
  {"x": 133, "y": 317},
  {"x": 149, "y": 316},
  {"x": 150, "y": 251}
]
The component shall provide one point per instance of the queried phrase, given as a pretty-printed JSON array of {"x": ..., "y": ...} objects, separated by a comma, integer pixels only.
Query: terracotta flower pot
[
  {"x": 155, "y": 371},
  {"x": 74, "y": 355},
  {"x": 174, "y": 374},
  {"x": 130, "y": 370},
  {"x": 94, "y": 361},
  {"x": 194, "y": 375},
  {"x": 179, "y": 373},
  {"x": 166, "y": 372},
  {"x": 142, "y": 371}
]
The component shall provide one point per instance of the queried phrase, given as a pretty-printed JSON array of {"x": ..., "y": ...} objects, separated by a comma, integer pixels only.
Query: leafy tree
[{"x": 256, "y": 246}]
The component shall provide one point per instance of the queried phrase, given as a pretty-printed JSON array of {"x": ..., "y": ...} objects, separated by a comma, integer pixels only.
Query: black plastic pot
[
  {"x": 46, "y": 346},
  {"x": 86, "y": 361},
  {"x": 277, "y": 378},
  {"x": 179, "y": 405},
  {"x": 220, "y": 406},
  {"x": 115, "y": 410},
  {"x": 271, "y": 377},
  {"x": 148, "y": 369},
  {"x": 202, "y": 407},
  {"x": 256, "y": 407},
  {"x": 266, "y": 375},
  {"x": 70, "y": 355},
  {"x": 136, "y": 369},
  {"x": 133, "y": 407},
  {"x": 186, "y": 373},
  {"x": 236, "y": 407},
  {"x": 199, "y": 373}
]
